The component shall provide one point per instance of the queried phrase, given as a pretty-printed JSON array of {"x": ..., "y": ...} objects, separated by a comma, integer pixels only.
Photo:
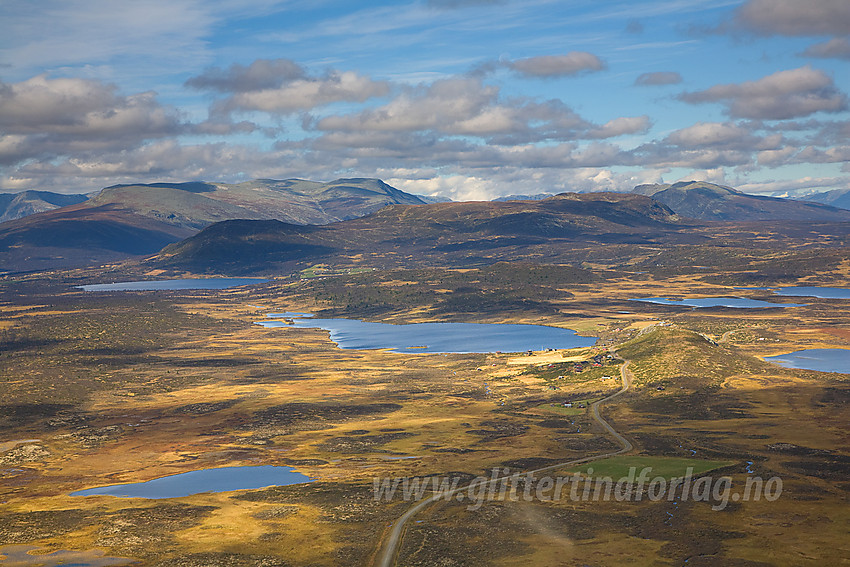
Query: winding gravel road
[{"x": 386, "y": 556}]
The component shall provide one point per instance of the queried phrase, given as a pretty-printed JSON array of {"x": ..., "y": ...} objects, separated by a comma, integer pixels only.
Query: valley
[{"x": 117, "y": 387}]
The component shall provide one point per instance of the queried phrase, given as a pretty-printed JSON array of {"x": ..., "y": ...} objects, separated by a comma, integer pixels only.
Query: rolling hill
[
  {"x": 454, "y": 233},
  {"x": 707, "y": 201}
]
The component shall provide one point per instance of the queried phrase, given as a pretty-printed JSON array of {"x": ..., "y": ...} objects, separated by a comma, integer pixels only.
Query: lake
[
  {"x": 822, "y": 359},
  {"x": 222, "y": 479},
  {"x": 33, "y": 556},
  {"x": 734, "y": 302},
  {"x": 161, "y": 285},
  {"x": 289, "y": 315},
  {"x": 441, "y": 337},
  {"x": 822, "y": 292}
]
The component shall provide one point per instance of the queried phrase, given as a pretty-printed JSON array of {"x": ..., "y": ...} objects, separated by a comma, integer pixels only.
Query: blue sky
[{"x": 470, "y": 99}]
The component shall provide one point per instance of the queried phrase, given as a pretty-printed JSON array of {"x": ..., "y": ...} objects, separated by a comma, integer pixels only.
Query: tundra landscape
[
  {"x": 112, "y": 387},
  {"x": 424, "y": 283}
]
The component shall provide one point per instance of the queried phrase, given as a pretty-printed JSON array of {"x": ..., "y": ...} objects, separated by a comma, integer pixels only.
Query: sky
[{"x": 468, "y": 99}]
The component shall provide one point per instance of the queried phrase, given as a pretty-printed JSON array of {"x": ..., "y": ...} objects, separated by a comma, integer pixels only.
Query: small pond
[
  {"x": 161, "y": 285},
  {"x": 822, "y": 359},
  {"x": 32, "y": 556},
  {"x": 222, "y": 479}
]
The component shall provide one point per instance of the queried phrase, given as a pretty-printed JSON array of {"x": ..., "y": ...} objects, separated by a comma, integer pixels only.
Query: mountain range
[
  {"x": 140, "y": 219},
  {"x": 620, "y": 229},
  {"x": 454, "y": 233},
  {"x": 707, "y": 201},
  {"x": 135, "y": 220}
]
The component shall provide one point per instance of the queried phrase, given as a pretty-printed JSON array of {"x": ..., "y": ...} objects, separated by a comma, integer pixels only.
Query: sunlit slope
[{"x": 457, "y": 231}]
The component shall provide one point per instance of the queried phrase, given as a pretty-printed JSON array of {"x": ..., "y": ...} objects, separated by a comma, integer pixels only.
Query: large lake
[
  {"x": 208, "y": 480},
  {"x": 160, "y": 285},
  {"x": 822, "y": 359},
  {"x": 441, "y": 337},
  {"x": 736, "y": 302}
]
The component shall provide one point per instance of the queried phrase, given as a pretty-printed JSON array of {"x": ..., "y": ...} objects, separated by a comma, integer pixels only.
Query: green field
[{"x": 668, "y": 467}]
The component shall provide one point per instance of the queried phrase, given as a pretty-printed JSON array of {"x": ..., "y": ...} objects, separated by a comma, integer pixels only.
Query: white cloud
[
  {"x": 463, "y": 106},
  {"x": 795, "y": 17},
  {"x": 715, "y": 175},
  {"x": 835, "y": 48},
  {"x": 711, "y": 134},
  {"x": 571, "y": 63},
  {"x": 282, "y": 86},
  {"x": 784, "y": 94},
  {"x": 621, "y": 126},
  {"x": 837, "y": 154},
  {"x": 52, "y": 117},
  {"x": 775, "y": 158},
  {"x": 305, "y": 94},
  {"x": 259, "y": 75},
  {"x": 658, "y": 78}
]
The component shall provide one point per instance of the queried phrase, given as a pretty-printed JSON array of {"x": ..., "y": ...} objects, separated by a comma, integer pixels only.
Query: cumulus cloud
[
  {"x": 775, "y": 158},
  {"x": 259, "y": 75},
  {"x": 281, "y": 86},
  {"x": 305, "y": 94},
  {"x": 794, "y": 18},
  {"x": 837, "y": 154},
  {"x": 658, "y": 78},
  {"x": 162, "y": 160},
  {"x": 80, "y": 107},
  {"x": 835, "y": 48},
  {"x": 571, "y": 63},
  {"x": 782, "y": 95},
  {"x": 463, "y": 106},
  {"x": 218, "y": 127},
  {"x": 621, "y": 126},
  {"x": 705, "y": 134},
  {"x": 44, "y": 118}
]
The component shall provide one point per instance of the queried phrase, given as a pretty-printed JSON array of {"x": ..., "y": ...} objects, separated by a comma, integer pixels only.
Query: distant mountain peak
[
  {"x": 709, "y": 201},
  {"x": 836, "y": 198},
  {"x": 18, "y": 205}
]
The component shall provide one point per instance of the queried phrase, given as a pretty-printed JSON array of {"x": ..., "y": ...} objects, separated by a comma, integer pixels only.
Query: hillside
[
  {"x": 451, "y": 232},
  {"x": 707, "y": 201},
  {"x": 125, "y": 220},
  {"x": 18, "y": 205}
]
